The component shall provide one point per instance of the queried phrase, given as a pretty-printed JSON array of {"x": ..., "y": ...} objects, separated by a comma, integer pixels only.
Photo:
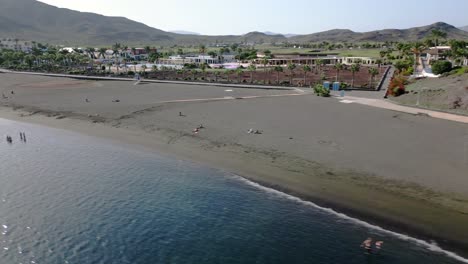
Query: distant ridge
[
  {"x": 34, "y": 20},
  {"x": 411, "y": 34},
  {"x": 465, "y": 28},
  {"x": 183, "y": 32}
]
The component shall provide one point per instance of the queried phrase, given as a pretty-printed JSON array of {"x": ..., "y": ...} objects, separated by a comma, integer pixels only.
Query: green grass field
[{"x": 279, "y": 50}]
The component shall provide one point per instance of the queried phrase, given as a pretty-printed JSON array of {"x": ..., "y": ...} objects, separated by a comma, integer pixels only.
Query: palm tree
[
  {"x": 216, "y": 74},
  {"x": 318, "y": 65},
  {"x": 416, "y": 49},
  {"x": 306, "y": 69},
  {"x": 291, "y": 67},
  {"x": 265, "y": 61},
  {"x": 338, "y": 68},
  {"x": 251, "y": 69},
  {"x": 147, "y": 50},
  {"x": 239, "y": 72},
  {"x": 102, "y": 52},
  {"x": 203, "y": 67},
  {"x": 135, "y": 63},
  {"x": 91, "y": 51},
  {"x": 143, "y": 69},
  {"x": 228, "y": 73},
  {"x": 154, "y": 68},
  {"x": 278, "y": 69},
  {"x": 373, "y": 72},
  {"x": 355, "y": 68},
  {"x": 29, "y": 60},
  {"x": 437, "y": 34},
  {"x": 202, "y": 49},
  {"x": 194, "y": 74}
]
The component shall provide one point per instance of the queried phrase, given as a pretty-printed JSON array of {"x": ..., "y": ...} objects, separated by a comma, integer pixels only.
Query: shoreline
[{"x": 341, "y": 195}]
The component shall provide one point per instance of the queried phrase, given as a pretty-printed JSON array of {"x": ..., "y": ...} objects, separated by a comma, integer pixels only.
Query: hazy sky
[{"x": 216, "y": 17}]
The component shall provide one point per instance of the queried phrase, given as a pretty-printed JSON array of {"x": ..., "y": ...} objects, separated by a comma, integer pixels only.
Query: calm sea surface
[{"x": 69, "y": 198}]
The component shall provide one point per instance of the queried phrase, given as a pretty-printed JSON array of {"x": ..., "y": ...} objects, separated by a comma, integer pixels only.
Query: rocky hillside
[{"x": 34, "y": 20}]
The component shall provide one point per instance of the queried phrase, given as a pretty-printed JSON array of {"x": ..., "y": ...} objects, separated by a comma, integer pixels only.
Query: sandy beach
[{"x": 403, "y": 171}]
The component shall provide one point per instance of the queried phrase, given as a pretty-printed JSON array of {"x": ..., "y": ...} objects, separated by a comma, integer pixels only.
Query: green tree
[
  {"x": 355, "y": 68},
  {"x": 217, "y": 74},
  {"x": 291, "y": 68},
  {"x": 212, "y": 54},
  {"x": 373, "y": 72},
  {"x": 438, "y": 34},
  {"x": 239, "y": 72},
  {"x": 440, "y": 67},
  {"x": 416, "y": 49},
  {"x": 29, "y": 59},
  {"x": 338, "y": 67},
  {"x": 203, "y": 67},
  {"x": 252, "y": 68},
  {"x": 278, "y": 70},
  {"x": 306, "y": 69},
  {"x": 228, "y": 73},
  {"x": 102, "y": 52},
  {"x": 202, "y": 49}
]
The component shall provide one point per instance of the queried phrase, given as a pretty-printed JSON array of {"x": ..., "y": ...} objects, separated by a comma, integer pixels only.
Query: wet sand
[{"x": 407, "y": 172}]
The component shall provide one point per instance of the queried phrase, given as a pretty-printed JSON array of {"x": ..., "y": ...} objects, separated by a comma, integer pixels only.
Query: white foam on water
[
  {"x": 432, "y": 246},
  {"x": 5, "y": 226}
]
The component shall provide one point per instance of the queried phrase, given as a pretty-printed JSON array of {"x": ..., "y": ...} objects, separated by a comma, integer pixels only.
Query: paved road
[{"x": 380, "y": 103}]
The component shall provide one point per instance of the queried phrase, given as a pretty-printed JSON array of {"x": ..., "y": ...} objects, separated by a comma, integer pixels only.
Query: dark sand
[{"x": 404, "y": 171}]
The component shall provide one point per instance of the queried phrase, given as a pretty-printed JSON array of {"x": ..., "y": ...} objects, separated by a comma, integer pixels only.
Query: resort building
[
  {"x": 200, "y": 59},
  {"x": 313, "y": 59},
  {"x": 436, "y": 53},
  {"x": 302, "y": 59},
  {"x": 362, "y": 60},
  {"x": 15, "y": 44}
]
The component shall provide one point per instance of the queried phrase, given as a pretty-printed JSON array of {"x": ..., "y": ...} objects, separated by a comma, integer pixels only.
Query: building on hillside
[
  {"x": 200, "y": 59},
  {"x": 300, "y": 58},
  {"x": 436, "y": 53},
  {"x": 16, "y": 44},
  {"x": 361, "y": 60}
]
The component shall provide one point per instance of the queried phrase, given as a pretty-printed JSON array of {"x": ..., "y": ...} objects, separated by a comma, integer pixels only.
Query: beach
[{"x": 406, "y": 172}]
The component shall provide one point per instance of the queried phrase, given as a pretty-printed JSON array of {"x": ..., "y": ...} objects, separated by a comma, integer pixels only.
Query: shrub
[
  {"x": 397, "y": 86},
  {"x": 131, "y": 73},
  {"x": 343, "y": 85},
  {"x": 408, "y": 71},
  {"x": 440, "y": 67},
  {"x": 320, "y": 90}
]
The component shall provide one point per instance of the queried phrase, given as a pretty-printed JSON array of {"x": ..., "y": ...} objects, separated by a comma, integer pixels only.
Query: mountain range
[
  {"x": 465, "y": 28},
  {"x": 34, "y": 20}
]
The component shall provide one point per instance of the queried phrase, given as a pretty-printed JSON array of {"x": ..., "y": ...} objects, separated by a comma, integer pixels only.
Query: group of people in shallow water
[
  {"x": 367, "y": 245},
  {"x": 9, "y": 139}
]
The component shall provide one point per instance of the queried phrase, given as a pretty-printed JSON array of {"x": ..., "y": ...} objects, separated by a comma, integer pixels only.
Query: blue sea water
[{"x": 70, "y": 198}]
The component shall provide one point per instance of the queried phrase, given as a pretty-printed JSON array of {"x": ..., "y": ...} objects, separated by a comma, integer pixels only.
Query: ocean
[{"x": 71, "y": 198}]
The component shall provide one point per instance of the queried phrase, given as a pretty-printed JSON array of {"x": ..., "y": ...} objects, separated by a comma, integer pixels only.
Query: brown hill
[
  {"x": 34, "y": 20},
  {"x": 411, "y": 34}
]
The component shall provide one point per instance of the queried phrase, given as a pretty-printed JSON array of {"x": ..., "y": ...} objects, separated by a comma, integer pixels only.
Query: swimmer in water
[
  {"x": 367, "y": 245},
  {"x": 378, "y": 245}
]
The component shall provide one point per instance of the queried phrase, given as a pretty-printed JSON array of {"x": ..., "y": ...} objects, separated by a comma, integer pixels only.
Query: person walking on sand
[{"x": 367, "y": 245}]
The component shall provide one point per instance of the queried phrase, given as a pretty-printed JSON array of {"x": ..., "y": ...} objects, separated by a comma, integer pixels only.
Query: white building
[
  {"x": 200, "y": 59},
  {"x": 15, "y": 44}
]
